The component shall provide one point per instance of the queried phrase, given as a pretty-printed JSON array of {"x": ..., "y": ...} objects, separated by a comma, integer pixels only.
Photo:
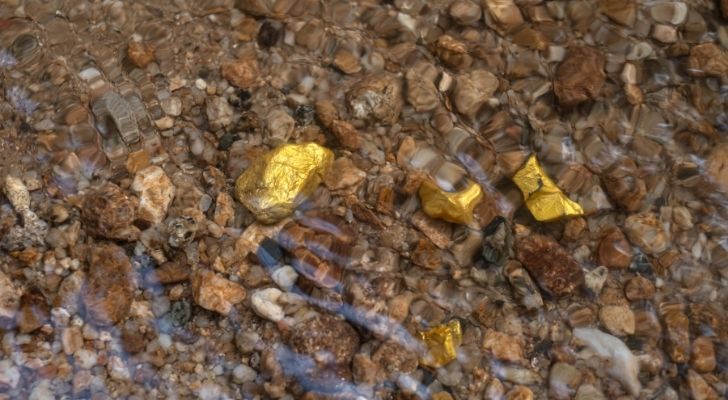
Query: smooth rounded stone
[
  {"x": 589, "y": 392},
  {"x": 465, "y": 12},
  {"x": 699, "y": 388},
  {"x": 619, "y": 320},
  {"x": 347, "y": 62},
  {"x": 517, "y": 375},
  {"x": 646, "y": 231},
  {"x": 614, "y": 250},
  {"x": 620, "y": 11},
  {"x": 625, "y": 185},
  {"x": 42, "y": 390},
  {"x": 155, "y": 191},
  {"x": 171, "y": 106},
  {"x": 563, "y": 380},
  {"x": 265, "y": 303},
  {"x": 450, "y": 375},
  {"x": 279, "y": 125},
  {"x": 246, "y": 341},
  {"x": 677, "y": 338},
  {"x": 580, "y": 76},
  {"x": 622, "y": 364},
  {"x": 117, "y": 369},
  {"x": 503, "y": 346},
  {"x": 343, "y": 174},
  {"x": 9, "y": 374},
  {"x": 243, "y": 73},
  {"x": 109, "y": 213},
  {"x": 473, "y": 90},
  {"x": 71, "y": 339},
  {"x": 452, "y": 52},
  {"x": 33, "y": 312},
  {"x": 376, "y": 97},
  {"x": 215, "y": 293},
  {"x": 703, "y": 354},
  {"x": 639, "y": 288},
  {"x": 329, "y": 340},
  {"x": 664, "y": 33},
  {"x": 219, "y": 112},
  {"x": 109, "y": 290},
  {"x": 421, "y": 91},
  {"x": 670, "y": 12},
  {"x": 285, "y": 277},
  {"x": 9, "y": 301},
  {"x": 553, "y": 268},
  {"x": 243, "y": 374}
]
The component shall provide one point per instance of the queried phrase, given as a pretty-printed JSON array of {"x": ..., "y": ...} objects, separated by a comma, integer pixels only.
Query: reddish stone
[{"x": 551, "y": 265}]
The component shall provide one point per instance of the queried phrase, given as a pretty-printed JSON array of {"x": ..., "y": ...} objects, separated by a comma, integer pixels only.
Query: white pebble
[
  {"x": 624, "y": 366},
  {"x": 243, "y": 373},
  {"x": 285, "y": 277},
  {"x": 264, "y": 303}
]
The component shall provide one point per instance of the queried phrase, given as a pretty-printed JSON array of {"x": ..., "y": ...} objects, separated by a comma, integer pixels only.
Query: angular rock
[
  {"x": 215, "y": 293},
  {"x": 553, "y": 268},
  {"x": 580, "y": 76},
  {"x": 614, "y": 250},
  {"x": 155, "y": 191},
  {"x": 473, "y": 90},
  {"x": 703, "y": 354},
  {"x": 563, "y": 380},
  {"x": 242, "y": 73},
  {"x": 394, "y": 358},
  {"x": 140, "y": 54},
  {"x": 639, "y": 288},
  {"x": 325, "y": 338},
  {"x": 109, "y": 290},
  {"x": 219, "y": 112},
  {"x": 646, "y": 231},
  {"x": 109, "y": 213},
  {"x": 265, "y": 303},
  {"x": 377, "y": 97},
  {"x": 505, "y": 13},
  {"x": 708, "y": 59}
]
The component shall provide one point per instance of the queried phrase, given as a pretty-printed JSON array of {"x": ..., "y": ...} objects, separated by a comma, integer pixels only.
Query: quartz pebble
[
  {"x": 703, "y": 354},
  {"x": 215, "y": 293},
  {"x": 265, "y": 304},
  {"x": 623, "y": 365},
  {"x": 155, "y": 192}
]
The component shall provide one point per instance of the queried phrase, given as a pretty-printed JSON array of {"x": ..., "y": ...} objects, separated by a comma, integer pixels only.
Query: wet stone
[
  {"x": 377, "y": 98},
  {"x": 564, "y": 379},
  {"x": 155, "y": 191},
  {"x": 109, "y": 213},
  {"x": 708, "y": 59},
  {"x": 108, "y": 291},
  {"x": 503, "y": 346},
  {"x": 619, "y": 320},
  {"x": 677, "y": 340},
  {"x": 646, "y": 231},
  {"x": 327, "y": 339},
  {"x": 215, "y": 293},
  {"x": 580, "y": 76},
  {"x": 140, "y": 54},
  {"x": 33, "y": 312},
  {"x": 614, "y": 250},
  {"x": 554, "y": 269},
  {"x": 639, "y": 288},
  {"x": 703, "y": 354},
  {"x": 473, "y": 90},
  {"x": 9, "y": 301}
]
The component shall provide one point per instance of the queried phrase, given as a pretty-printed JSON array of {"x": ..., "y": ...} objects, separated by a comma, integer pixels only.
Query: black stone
[{"x": 269, "y": 253}]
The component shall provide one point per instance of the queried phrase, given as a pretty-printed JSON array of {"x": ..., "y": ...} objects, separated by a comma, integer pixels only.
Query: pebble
[
  {"x": 85, "y": 358},
  {"x": 473, "y": 90},
  {"x": 664, "y": 33},
  {"x": 347, "y": 62},
  {"x": 395, "y": 359},
  {"x": 72, "y": 340},
  {"x": 244, "y": 374},
  {"x": 669, "y": 12},
  {"x": 465, "y": 12},
  {"x": 171, "y": 106},
  {"x": 242, "y": 73},
  {"x": 109, "y": 213},
  {"x": 33, "y": 313},
  {"x": 215, "y": 293},
  {"x": 703, "y": 354},
  {"x": 550, "y": 264},
  {"x": 9, "y": 301},
  {"x": 699, "y": 388},
  {"x": 505, "y": 13},
  {"x": 625, "y": 185},
  {"x": 219, "y": 112},
  {"x": 717, "y": 166},
  {"x": 343, "y": 174},
  {"x": 9, "y": 374},
  {"x": 377, "y": 97},
  {"x": 109, "y": 290},
  {"x": 677, "y": 339},
  {"x": 639, "y": 288},
  {"x": 155, "y": 191},
  {"x": 594, "y": 279},
  {"x": 708, "y": 59},
  {"x": 589, "y": 392},
  {"x": 118, "y": 370},
  {"x": 503, "y": 346},
  {"x": 646, "y": 231},
  {"x": 622, "y": 364},
  {"x": 265, "y": 303},
  {"x": 181, "y": 231},
  {"x": 279, "y": 125},
  {"x": 329, "y": 340},
  {"x": 580, "y": 76},
  {"x": 285, "y": 277},
  {"x": 140, "y": 54},
  {"x": 620, "y": 11},
  {"x": 17, "y": 193},
  {"x": 619, "y": 320},
  {"x": 564, "y": 380},
  {"x": 614, "y": 250}
]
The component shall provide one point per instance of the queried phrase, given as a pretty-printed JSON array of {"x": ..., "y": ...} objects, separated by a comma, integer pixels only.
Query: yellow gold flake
[
  {"x": 454, "y": 207},
  {"x": 442, "y": 343},
  {"x": 543, "y": 198}
]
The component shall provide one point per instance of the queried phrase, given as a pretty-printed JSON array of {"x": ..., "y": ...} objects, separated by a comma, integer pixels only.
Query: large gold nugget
[
  {"x": 454, "y": 207},
  {"x": 442, "y": 343},
  {"x": 275, "y": 184},
  {"x": 543, "y": 198}
]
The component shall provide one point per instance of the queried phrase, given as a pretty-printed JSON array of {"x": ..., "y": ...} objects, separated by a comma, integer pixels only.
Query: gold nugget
[
  {"x": 442, "y": 343},
  {"x": 454, "y": 207},
  {"x": 275, "y": 184},
  {"x": 543, "y": 198}
]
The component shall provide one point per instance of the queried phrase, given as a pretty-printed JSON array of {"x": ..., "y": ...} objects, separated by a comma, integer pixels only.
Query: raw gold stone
[
  {"x": 454, "y": 207},
  {"x": 442, "y": 343},
  {"x": 543, "y": 198},
  {"x": 276, "y": 183}
]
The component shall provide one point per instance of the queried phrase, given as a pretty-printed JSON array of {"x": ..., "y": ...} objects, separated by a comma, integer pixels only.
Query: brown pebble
[
  {"x": 242, "y": 73},
  {"x": 554, "y": 269},
  {"x": 580, "y": 76},
  {"x": 140, "y": 54},
  {"x": 677, "y": 340},
  {"x": 108, "y": 292},
  {"x": 703, "y": 354},
  {"x": 33, "y": 312},
  {"x": 614, "y": 250},
  {"x": 639, "y": 288},
  {"x": 329, "y": 340}
]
